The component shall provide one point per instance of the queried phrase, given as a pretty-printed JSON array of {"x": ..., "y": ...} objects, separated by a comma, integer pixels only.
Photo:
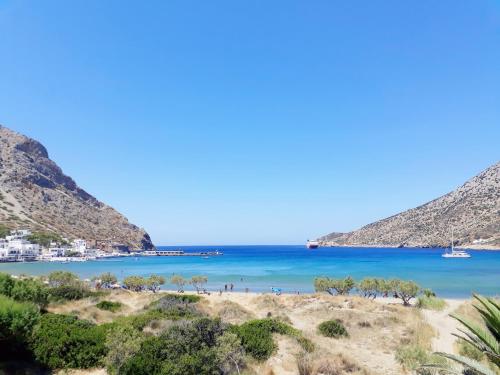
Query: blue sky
[{"x": 256, "y": 122}]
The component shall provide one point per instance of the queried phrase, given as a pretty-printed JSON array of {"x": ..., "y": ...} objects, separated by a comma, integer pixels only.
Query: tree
[
  {"x": 45, "y": 238},
  {"x": 122, "y": 343},
  {"x": 404, "y": 290},
  {"x": 229, "y": 353},
  {"x": 486, "y": 340},
  {"x": 134, "y": 283},
  {"x": 179, "y": 281},
  {"x": 154, "y": 282},
  {"x": 4, "y": 231},
  {"x": 334, "y": 286},
  {"x": 62, "y": 278},
  {"x": 106, "y": 280},
  {"x": 198, "y": 282}
]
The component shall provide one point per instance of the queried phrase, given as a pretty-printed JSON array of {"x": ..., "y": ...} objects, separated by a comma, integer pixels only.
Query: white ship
[
  {"x": 312, "y": 244},
  {"x": 455, "y": 253}
]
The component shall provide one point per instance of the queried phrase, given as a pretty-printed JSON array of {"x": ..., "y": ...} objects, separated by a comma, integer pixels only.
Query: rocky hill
[
  {"x": 472, "y": 210},
  {"x": 36, "y": 194}
]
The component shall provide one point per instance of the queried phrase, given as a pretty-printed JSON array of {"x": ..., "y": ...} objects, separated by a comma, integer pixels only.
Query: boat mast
[{"x": 452, "y": 247}]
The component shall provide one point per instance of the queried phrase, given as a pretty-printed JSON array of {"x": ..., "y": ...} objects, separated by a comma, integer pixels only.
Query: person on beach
[
  {"x": 220, "y": 292},
  {"x": 232, "y": 287},
  {"x": 225, "y": 287}
]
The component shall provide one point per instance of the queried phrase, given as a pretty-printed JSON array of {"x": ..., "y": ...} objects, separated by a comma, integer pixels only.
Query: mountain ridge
[
  {"x": 36, "y": 194},
  {"x": 472, "y": 211}
]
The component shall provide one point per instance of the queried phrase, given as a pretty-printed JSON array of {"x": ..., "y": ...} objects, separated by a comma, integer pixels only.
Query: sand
[{"x": 376, "y": 328}]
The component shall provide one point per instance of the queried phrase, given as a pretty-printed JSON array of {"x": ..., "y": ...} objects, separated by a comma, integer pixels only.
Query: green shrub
[
  {"x": 333, "y": 328},
  {"x": 46, "y": 238},
  {"x": 411, "y": 357},
  {"x": 183, "y": 349},
  {"x": 122, "y": 342},
  {"x": 69, "y": 293},
  {"x": 16, "y": 322},
  {"x": 109, "y": 306},
  {"x": 30, "y": 290},
  {"x": 256, "y": 336},
  {"x": 63, "y": 278},
  {"x": 468, "y": 350},
  {"x": 6, "y": 284},
  {"x": 431, "y": 303},
  {"x": 62, "y": 341}
]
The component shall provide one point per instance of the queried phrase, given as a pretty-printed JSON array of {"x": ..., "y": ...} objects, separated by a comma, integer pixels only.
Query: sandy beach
[{"x": 376, "y": 327}]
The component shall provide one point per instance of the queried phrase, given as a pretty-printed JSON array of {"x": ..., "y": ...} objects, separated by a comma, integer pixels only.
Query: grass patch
[
  {"x": 431, "y": 303},
  {"x": 333, "y": 328},
  {"x": 109, "y": 306},
  {"x": 256, "y": 337}
]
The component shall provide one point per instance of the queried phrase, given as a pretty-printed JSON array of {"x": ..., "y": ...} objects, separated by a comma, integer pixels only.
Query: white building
[
  {"x": 15, "y": 247},
  {"x": 79, "y": 246}
]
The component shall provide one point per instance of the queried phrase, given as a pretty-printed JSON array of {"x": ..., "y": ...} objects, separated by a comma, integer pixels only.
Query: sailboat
[{"x": 455, "y": 253}]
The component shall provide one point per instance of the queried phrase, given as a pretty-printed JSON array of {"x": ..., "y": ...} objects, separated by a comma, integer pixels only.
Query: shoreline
[{"x": 469, "y": 247}]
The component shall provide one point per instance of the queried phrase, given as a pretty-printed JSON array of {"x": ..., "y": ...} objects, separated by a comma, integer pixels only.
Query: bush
[
  {"x": 468, "y": 350},
  {"x": 431, "y": 303},
  {"x": 45, "y": 238},
  {"x": 16, "y": 322},
  {"x": 63, "y": 278},
  {"x": 186, "y": 348},
  {"x": 122, "y": 342},
  {"x": 109, "y": 306},
  {"x": 334, "y": 286},
  {"x": 62, "y": 341},
  {"x": 6, "y": 284},
  {"x": 69, "y": 292},
  {"x": 333, "y": 328},
  {"x": 256, "y": 337},
  {"x": 30, "y": 290}
]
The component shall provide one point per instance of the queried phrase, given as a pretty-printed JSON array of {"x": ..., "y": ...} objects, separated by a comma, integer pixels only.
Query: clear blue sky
[{"x": 242, "y": 122}]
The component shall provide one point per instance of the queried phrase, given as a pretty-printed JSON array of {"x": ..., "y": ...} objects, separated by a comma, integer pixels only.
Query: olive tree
[
  {"x": 134, "y": 283},
  {"x": 198, "y": 282},
  {"x": 404, "y": 290},
  {"x": 179, "y": 281},
  {"x": 154, "y": 282},
  {"x": 334, "y": 286}
]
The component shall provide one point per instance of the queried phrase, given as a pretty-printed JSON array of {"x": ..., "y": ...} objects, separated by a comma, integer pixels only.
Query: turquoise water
[{"x": 293, "y": 268}]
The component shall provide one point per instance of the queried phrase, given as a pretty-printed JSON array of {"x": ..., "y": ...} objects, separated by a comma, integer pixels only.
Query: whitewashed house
[{"x": 15, "y": 247}]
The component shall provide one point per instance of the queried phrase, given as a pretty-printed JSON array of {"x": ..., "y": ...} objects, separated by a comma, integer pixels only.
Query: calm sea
[{"x": 293, "y": 268}]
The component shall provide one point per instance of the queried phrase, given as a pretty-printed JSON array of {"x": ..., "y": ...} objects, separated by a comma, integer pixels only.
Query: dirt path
[{"x": 444, "y": 325}]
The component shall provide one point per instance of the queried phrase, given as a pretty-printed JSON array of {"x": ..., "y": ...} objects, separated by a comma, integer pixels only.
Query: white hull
[{"x": 456, "y": 254}]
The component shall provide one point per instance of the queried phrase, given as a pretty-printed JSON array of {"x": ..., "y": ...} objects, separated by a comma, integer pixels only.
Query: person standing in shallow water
[
  {"x": 225, "y": 287},
  {"x": 232, "y": 287}
]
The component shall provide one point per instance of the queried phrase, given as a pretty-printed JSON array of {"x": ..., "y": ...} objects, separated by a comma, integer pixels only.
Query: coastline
[{"x": 378, "y": 246}]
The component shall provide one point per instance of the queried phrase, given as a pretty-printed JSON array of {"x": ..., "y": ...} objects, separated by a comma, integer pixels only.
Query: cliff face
[
  {"x": 472, "y": 210},
  {"x": 36, "y": 194}
]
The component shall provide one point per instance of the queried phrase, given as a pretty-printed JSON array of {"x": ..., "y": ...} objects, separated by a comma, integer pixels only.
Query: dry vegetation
[{"x": 378, "y": 331}]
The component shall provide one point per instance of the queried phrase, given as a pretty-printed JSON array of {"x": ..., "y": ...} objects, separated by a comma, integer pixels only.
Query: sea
[{"x": 293, "y": 268}]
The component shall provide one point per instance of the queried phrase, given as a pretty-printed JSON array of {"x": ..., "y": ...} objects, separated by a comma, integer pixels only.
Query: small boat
[
  {"x": 455, "y": 253},
  {"x": 312, "y": 244}
]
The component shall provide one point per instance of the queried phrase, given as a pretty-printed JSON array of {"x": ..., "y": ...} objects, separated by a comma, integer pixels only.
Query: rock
[
  {"x": 36, "y": 194},
  {"x": 472, "y": 211}
]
